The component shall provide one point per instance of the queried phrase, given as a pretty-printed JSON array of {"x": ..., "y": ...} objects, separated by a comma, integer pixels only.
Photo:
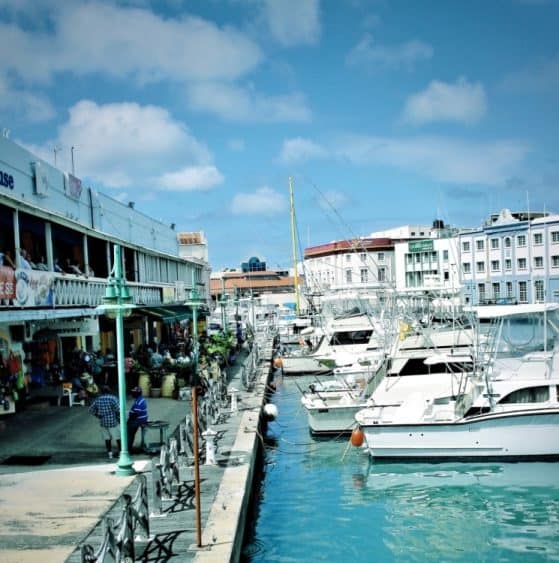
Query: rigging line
[{"x": 356, "y": 242}]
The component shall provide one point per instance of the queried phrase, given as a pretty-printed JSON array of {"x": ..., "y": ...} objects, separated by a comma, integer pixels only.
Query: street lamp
[
  {"x": 194, "y": 303},
  {"x": 118, "y": 304}
]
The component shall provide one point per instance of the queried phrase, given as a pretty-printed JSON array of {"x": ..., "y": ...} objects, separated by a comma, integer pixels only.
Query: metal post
[
  {"x": 124, "y": 465},
  {"x": 196, "y": 467}
]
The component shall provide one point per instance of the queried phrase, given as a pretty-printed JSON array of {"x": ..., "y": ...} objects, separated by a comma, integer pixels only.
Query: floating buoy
[
  {"x": 270, "y": 411},
  {"x": 278, "y": 363},
  {"x": 357, "y": 437}
]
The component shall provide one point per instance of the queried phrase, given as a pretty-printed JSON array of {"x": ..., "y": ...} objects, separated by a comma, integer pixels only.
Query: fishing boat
[
  {"x": 419, "y": 365},
  {"x": 507, "y": 409}
]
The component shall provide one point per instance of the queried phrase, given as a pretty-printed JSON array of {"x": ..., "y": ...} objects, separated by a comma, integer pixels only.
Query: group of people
[
  {"x": 106, "y": 408},
  {"x": 26, "y": 262}
]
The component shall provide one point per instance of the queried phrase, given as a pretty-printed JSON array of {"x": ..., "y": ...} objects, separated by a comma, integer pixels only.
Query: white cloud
[
  {"x": 235, "y": 103},
  {"x": 127, "y": 42},
  {"x": 299, "y": 149},
  {"x": 293, "y": 22},
  {"x": 463, "y": 101},
  {"x": 263, "y": 201},
  {"x": 367, "y": 53},
  {"x": 441, "y": 158},
  {"x": 125, "y": 144},
  {"x": 190, "y": 178},
  {"x": 444, "y": 159}
]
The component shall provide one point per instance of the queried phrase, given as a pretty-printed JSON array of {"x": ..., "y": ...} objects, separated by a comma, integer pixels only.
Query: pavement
[
  {"x": 48, "y": 508},
  {"x": 56, "y": 484}
]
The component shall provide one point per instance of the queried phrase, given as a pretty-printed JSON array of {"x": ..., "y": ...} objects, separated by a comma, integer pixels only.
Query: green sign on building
[{"x": 420, "y": 245}]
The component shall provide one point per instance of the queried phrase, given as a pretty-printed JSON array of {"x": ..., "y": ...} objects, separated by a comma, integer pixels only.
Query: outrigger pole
[{"x": 294, "y": 246}]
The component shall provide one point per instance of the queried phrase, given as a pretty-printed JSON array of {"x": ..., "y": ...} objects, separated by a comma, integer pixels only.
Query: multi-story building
[
  {"x": 56, "y": 247},
  {"x": 513, "y": 257}
]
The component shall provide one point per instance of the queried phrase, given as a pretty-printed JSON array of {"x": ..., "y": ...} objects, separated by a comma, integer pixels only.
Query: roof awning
[
  {"x": 166, "y": 314},
  {"x": 19, "y": 315}
]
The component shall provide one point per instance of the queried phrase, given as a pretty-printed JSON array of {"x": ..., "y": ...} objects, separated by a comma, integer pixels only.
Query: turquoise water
[{"x": 322, "y": 501}]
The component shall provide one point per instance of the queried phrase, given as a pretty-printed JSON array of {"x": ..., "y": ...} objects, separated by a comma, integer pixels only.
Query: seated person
[
  {"x": 24, "y": 260},
  {"x": 72, "y": 268},
  {"x": 56, "y": 267},
  {"x": 41, "y": 264},
  {"x": 6, "y": 259}
]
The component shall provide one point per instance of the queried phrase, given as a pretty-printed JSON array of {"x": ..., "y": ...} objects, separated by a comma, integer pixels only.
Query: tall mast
[{"x": 294, "y": 246}]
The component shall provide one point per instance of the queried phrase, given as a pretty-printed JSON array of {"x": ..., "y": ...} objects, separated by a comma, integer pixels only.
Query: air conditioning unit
[{"x": 41, "y": 179}]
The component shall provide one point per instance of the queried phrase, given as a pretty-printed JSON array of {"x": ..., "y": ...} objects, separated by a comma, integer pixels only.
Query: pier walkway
[{"x": 52, "y": 507}]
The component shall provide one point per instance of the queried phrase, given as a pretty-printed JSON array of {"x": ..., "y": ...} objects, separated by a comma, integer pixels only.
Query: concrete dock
[{"x": 51, "y": 508}]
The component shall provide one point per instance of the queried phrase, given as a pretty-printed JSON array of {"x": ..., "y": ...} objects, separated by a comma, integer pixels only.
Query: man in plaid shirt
[{"x": 106, "y": 409}]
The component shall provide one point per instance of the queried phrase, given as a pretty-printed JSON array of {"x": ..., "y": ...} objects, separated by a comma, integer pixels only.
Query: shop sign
[
  {"x": 7, "y": 283},
  {"x": 34, "y": 288},
  {"x": 420, "y": 246},
  {"x": 72, "y": 327},
  {"x": 6, "y": 180}
]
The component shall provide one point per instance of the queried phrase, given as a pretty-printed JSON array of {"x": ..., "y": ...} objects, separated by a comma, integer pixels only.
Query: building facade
[
  {"x": 56, "y": 252},
  {"x": 512, "y": 258}
]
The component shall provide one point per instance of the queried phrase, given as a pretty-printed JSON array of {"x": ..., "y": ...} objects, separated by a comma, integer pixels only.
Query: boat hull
[
  {"x": 519, "y": 435},
  {"x": 332, "y": 420}
]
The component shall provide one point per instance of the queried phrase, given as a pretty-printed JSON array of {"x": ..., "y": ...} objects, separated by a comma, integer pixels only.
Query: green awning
[{"x": 166, "y": 314}]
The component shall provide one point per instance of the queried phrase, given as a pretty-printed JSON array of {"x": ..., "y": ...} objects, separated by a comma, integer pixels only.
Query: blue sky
[{"x": 384, "y": 112}]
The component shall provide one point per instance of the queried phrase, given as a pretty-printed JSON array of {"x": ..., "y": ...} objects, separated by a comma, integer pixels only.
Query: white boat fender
[{"x": 270, "y": 411}]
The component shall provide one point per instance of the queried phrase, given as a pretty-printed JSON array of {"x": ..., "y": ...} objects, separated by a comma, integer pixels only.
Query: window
[
  {"x": 494, "y": 243},
  {"x": 409, "y": 258},
  {"x": 522, "y": 263},
  {"x": 521, "y": 240},
  {"x": 523, "y": 292},
  {"x": 480, "y": 267},
  {"x": 538, "y": 238},
  {"x": 555, "y": 261},
  {"x": 539, "y": 291},
  {"x": 554, "y": 236},
  {"x": 539, "y": 394},
  {"x": 380, "y": 256},
  {"x": 381, "y": 276},
  {"x": 364, "y": 275},
  {"x": 507, "y": 242},
  {"x": 538, "y": 261},
  {"x": 363, "y": 256},
  {"x": 466, "y": 267},
  {"x": 509, "y": 290},
  {"x": 351, "y": 337},
  {"x": 496, "y": 290},
  {"x": 418, "y": 258},
  {"x": 445, "y": 255},
  {"x": 466, "y": 246},
  {"x": 508, "y": 264},
  {"x": 481, "y": 291},
  {"x": 495, "y": 265},
  {"x": 348, "y": 258},
  {"x": 348, "y": 276},
  {"x": 480, "y": 244}
]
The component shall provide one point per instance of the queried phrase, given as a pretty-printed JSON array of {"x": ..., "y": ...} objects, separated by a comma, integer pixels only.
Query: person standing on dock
[
  {"x": 106, "y": 408},
  {"x": 137, "y": 416}
]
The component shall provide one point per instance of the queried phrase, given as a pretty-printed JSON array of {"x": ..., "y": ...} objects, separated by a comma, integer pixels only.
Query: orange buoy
[
  {"x": 278, "y": 363},
  {"x": 357, "y": 437}
]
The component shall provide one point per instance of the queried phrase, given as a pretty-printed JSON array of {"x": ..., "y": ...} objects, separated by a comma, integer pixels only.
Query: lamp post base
[{"x": 124, "y": 467}]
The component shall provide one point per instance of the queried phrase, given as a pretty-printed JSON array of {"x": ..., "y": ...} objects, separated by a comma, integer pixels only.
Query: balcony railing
[{"x": 34, "y": 288}]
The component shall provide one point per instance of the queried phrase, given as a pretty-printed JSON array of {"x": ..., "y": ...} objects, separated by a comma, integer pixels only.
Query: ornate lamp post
[
  {"x": 195, "y": 303},
  {"x": 118, "y": 304}
]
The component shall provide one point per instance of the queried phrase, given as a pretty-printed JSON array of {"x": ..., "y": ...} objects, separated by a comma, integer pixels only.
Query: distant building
[
  {"x": 512, "y": 258},
  {"x": 253, "y": 265}
]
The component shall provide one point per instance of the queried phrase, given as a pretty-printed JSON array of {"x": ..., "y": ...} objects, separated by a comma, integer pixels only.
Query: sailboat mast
[{"x": 294, "y": 245}]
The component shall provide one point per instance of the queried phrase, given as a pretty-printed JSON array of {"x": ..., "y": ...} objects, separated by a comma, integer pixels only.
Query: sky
[{"x": 382, "y": 112}]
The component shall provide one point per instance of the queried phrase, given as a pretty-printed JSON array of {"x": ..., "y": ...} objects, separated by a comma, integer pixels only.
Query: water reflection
[{"x": 314, "y": 506}]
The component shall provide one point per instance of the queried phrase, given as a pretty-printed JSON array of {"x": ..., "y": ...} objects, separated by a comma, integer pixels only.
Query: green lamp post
[
  {"x": 194, "y": 304},
  {"x": 117, "y": 305}
]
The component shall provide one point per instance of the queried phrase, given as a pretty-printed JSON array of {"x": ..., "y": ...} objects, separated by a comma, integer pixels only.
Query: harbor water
[{"x": 323, "y": 500}]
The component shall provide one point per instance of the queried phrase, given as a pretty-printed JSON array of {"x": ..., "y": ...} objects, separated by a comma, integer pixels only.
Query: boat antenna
[{"x": 293, "y": 246}]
